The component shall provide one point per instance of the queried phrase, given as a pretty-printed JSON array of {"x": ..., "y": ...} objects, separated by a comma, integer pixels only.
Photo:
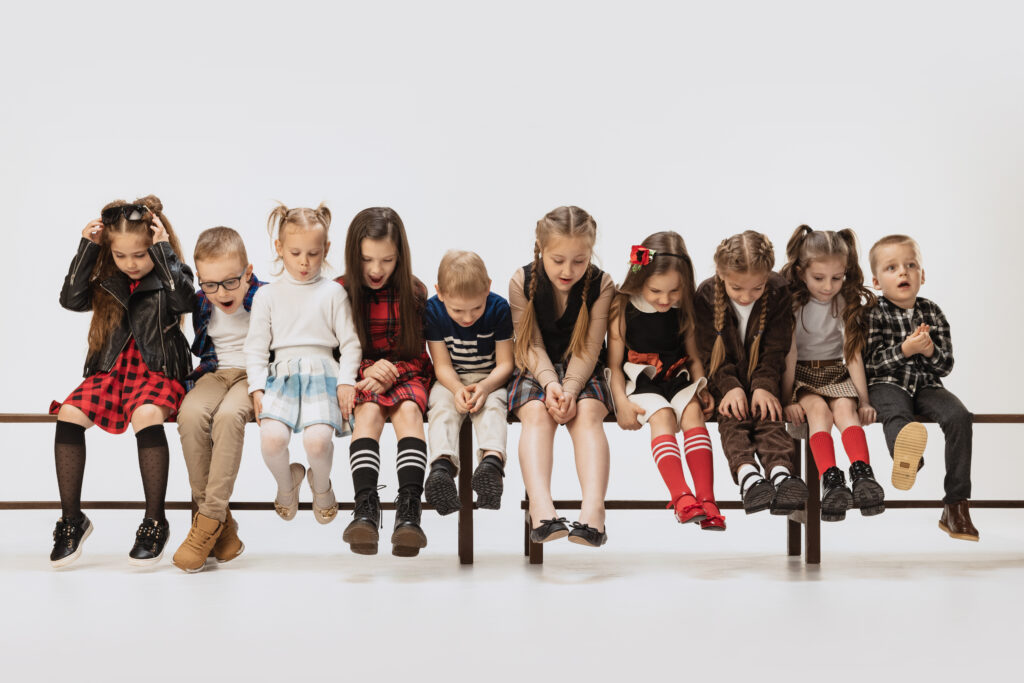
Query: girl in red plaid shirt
[{"x": 394, "y": 377}]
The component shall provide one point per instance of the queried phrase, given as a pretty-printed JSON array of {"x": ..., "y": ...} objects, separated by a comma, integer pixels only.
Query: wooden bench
[{"x": 465, "y": 533}]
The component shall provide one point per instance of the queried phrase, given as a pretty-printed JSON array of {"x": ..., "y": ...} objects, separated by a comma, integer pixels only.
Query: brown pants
[
  {"x": 742, "y": 438},
  {"x": 211, "y": 424}
]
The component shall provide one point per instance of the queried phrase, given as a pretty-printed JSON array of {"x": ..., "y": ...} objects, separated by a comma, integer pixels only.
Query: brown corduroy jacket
[{"x": 778, "y": 337}]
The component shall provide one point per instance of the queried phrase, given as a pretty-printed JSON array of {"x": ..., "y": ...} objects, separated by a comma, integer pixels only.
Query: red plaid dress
[{"x": 414, "y": 375}]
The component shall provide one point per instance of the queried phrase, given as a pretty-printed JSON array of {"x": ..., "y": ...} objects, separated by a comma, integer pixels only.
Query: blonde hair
[
  {"x": 889, "y": 241},
  {"x": 563, "y": 222},
  {"x": 302, "y": 219},
  {"x": 462, "y": 274},
  {"x": 748, "y": 252},
  {"x": 220, "y": 242}
]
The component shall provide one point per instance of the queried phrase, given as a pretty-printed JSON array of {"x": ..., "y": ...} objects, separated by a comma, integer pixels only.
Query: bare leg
[
  {"x": 592, "y": 459},
  {"x": 536, "y": 454}
]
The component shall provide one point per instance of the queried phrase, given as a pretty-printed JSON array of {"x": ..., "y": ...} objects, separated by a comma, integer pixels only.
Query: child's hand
[
  {"x": 463, "y": 400},
  {"x": 568, "y": 410},
  {"x": 554, "y": 396},
  {"x": 477, "y": 397},
  {"x": 383, "y": 371},
  {"x": 765, "y": 405},
  {"x": 92, "y": 231},
  {"x": 918, "y": 341},
  {"x": 159, "y": 231},
  {"x": 346, "y": 399},
  {"x": 795, "y": 413},
  {"x": 734, "y": 404},
  {"x": 707, "y": 403},
  {"x": 371, "y": 385},
  {"x": 866, "y": 413},
  {"x": 257, "y": 404},
  {"x": 626, "y": 414}
]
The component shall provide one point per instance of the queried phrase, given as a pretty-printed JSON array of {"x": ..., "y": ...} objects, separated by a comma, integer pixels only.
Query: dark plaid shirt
[
  {"x": 888, "y": 327},
  {"x": 202, "y": 345}
]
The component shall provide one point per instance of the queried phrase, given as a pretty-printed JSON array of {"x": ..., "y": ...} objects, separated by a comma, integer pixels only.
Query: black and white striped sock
[
  {"x": 364, "y": 460},
  {"x": 411, "y": 463}
]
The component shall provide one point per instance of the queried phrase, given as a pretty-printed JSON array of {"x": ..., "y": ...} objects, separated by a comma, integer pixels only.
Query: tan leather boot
[
  {"x": 229, "y": 545},
  {"x": 191, "y": 556}
]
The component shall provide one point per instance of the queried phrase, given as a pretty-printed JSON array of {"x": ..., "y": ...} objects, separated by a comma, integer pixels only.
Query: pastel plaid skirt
[{"x": 304, "y": 391}]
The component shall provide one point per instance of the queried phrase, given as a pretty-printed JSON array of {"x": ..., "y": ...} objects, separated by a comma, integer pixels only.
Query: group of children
[{"x": 748, "y": 347}]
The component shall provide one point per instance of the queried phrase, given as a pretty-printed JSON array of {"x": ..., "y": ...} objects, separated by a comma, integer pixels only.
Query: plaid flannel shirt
[
  {"x": 888, "y": 327},
  {"x": 202, "y": 345}
]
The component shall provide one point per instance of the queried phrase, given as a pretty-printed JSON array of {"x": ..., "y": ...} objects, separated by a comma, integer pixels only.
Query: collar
[
  {"x": 302, "y": 283},
  {"x": 640, "y": 304}
]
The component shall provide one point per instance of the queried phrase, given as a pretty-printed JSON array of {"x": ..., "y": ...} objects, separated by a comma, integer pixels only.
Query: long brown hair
[
  {"x": 383, "y": 223},
  {"x": 303, "y": 219},
  {"x": 565, "y": 222},
  {"x": 669, "y": 255},
  {"x": 107, "y": 313},
  {"x": 746, "y": 252},
  {"x": 808, "y": 245}
]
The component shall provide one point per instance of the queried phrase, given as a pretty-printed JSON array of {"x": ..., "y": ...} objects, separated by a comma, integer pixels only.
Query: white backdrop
[{"x": 473, "y": 120}]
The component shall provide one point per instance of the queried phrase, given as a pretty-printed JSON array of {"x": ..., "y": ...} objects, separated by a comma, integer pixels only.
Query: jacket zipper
[
  {"x": 160, "y": 323},
  {"x": 74, "y": 271},
  {"x": 167, "y": 270}
]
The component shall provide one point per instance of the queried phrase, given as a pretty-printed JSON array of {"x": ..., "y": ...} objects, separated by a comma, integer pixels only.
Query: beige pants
[
  {"x": 211, "y": 424},
  {"x": 444, "y": 421}
]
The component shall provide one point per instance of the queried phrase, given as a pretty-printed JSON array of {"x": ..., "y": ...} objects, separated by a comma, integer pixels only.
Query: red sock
[
  {"x": 666, "y": 457},
  {"x": 855, "y": 444},
  {"x": 697, "y": 445},
  {"x": 824, "y": 451}
]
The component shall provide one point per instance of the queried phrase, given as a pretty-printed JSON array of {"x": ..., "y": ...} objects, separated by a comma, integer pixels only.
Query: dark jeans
[{"x": 896, "y": 408}]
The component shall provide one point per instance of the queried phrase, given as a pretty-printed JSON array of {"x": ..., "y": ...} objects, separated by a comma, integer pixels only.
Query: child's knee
[{"x": 148, "y": 415}]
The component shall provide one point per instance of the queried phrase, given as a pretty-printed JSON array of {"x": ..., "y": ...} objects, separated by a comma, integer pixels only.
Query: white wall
[{"x": 473, "y": 120}]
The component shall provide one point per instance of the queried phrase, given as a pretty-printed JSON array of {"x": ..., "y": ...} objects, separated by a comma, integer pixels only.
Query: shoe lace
[
  {"x": 368, "y": 505},
  {"x": 579, "y": 526},
  {"x": 407, "y": 506},
  {"x": 553, "y": 520},
  {"x": 197, "y": 538},
  {"x": 834, "y": 477}
]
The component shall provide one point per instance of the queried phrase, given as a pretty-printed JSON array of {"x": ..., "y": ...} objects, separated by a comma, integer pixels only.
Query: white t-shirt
[
  {"x": 228, "y": 332},
  {"x": 743, "y": 313},
  {"x": 819, "y": 334}
]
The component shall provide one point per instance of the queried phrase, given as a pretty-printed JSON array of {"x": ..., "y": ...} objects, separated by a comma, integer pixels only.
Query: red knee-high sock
[
  {"x": 666, "y": 457},
  {"x": 697, "y": 445},
  {"x": 823, "y": 450},
  {"x": 855, "y": 444}
]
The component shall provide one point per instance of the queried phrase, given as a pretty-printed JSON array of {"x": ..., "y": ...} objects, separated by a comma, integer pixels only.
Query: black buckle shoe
[
  {"x": 408, "y": 536},
  {"x": 361, "y": 533},
  {"x": 440, "y": 488},
  {"x": 836, "y": 498},
  {"x": 584, "y": 534},
  {"x": 758, "y": 496},
  {"x": 868, "y": 494},
  {"x": 488, "y": 484},
  {"x": 150, "y": 540},
  {"x": 790, "y": 494},
  {"x": 68, "y": 537}
]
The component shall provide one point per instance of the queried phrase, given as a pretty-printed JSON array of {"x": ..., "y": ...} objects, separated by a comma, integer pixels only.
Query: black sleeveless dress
[{"x": 653, "y": 340}]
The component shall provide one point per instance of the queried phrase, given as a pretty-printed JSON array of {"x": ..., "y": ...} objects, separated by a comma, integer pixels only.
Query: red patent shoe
[
  {"x": 687, "y": 512},
  {"x": 713, "y": 520}
]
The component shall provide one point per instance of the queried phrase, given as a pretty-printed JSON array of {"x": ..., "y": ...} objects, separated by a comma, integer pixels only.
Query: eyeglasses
[
  {"x": 129, "y": 211},
  {"x": 229, "y": 284}
]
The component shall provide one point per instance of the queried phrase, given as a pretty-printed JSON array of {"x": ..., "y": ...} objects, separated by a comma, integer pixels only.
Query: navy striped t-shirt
[{"x": 471, "y": 348}]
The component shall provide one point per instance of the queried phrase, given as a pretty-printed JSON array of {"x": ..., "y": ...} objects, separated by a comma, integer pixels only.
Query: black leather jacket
[{"x": 153, "y": 310}]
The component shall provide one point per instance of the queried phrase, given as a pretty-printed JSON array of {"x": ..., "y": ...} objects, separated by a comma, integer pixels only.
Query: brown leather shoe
[
  {"x": 956, "y": 521},
  {"x": 229, "y": 545}
]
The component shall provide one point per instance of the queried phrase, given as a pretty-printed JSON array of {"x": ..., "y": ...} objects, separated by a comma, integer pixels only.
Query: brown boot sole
[
  {"x": 906, "y": 454},
  {"x": 407, "y": 541},
  {"x": 362, "y": 539},
  {"x": 961, "y": 537}
]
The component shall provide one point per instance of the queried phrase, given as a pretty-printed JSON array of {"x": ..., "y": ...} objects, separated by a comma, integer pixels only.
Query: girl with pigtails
[
  {"x": 560, "y": 307},
  {"x": 656, "y": 376},
  {"x": 825, "y": 383},
  {"x": 744, "y": 331}
]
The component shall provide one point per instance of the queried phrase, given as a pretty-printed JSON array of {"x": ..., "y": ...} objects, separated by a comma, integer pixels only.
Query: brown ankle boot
[
  {"x": 956, "y": 521},
  {"x": 229, "y": 545},
  {"x": 191, "y": 556}
]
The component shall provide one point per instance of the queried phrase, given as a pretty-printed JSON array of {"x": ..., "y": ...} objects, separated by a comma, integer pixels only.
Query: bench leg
[
  {"x": 793, "y": 528},
  {"x": 467, "y": 461},
  {"x": 813, "y": 526},
  {"x": 535, "y": 551}
]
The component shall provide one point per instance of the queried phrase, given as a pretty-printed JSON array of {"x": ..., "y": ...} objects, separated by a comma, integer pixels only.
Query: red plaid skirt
[
  {"x": 110, "y": 398},
  {"x": 414, "y": 389}
]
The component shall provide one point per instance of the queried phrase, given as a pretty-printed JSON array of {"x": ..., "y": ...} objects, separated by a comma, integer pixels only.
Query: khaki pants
[
  {"x": 211, "y": 424},
  {"x": 444, "y": 421}
]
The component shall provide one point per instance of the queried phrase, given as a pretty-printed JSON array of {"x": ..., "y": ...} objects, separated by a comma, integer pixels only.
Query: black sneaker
[
  {"x": 150, "y": 540},
  {"x": 361, "y": 533},
  {"x": 868, "y": 494},
  {"x": 836, "y": 498},
  {"x": 758, "y": 495},
  {"x": 408, "y": 536},
  {"x": 68, "y": 537},
  {"x": 790, "y": 494},
  {"x": 487, "y": 482},
  {"x": 440, "y": 487}
]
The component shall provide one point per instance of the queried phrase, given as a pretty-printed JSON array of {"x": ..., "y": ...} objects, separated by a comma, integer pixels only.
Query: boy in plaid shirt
[{"x": 908, "y": 350}]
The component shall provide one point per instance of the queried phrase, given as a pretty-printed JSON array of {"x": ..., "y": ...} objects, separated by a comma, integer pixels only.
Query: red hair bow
[{"x": 640, "y": 256}]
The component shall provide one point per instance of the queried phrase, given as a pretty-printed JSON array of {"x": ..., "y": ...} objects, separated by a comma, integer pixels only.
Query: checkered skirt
[
  {"x": 414, "y": 388},
  {"x": 110, "y": 398},
  {"x": 832, "y": 381},
  {"x": 524, "y": 387},
  {"x": 302, "y": 392}
]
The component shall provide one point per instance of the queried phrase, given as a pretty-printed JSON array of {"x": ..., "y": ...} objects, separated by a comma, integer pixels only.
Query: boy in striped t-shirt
[{"x": 468, "y": 330}]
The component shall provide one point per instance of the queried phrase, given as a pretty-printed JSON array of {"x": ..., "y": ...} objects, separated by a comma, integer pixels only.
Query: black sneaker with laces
[
  {"x": 836, "y": 498},
  {"x": 68, "y": 537},
  {"x": 361, "y": 533},
  {"x": 440, "y": 487},
  {"x": 408, "y": 536},
  {"x": 487, "y": 482},
  {"x": 150, "y": 539},
  {"x": 868, "y": 494}
]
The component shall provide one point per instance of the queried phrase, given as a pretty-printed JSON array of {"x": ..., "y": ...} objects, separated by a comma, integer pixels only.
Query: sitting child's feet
[
  {"x": 757, "y": 493},
  {"x": 228, "y": 545},
  {"x": 687, "y": 509},
  {"x": 868, "y": 494},
  {"x": 408, "y": 536},
  {"x": 361, "y": 533},
  {"x": 198, "y": 545},
  {"x": 150, "y": 539},
  {"x": 440, "y": 488},
  {"x": 713, "y": 519},
  {"x": 325, "y": 505},
  {"x": 956, "y": 521},
  {"x": 68, "y": 537},
  {"x": 287, "y": 504},
  {"x": 906, "y": 454},
  {"x": 836, "y": 498},
  {"x": 487, "y": 482},
  {"x": 790, "y": 494}
]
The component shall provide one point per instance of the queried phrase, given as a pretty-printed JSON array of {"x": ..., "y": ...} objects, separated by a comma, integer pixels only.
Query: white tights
[{"x": 318, "y": 440}]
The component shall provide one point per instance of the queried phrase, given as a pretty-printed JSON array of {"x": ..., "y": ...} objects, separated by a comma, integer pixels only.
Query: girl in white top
[
  {"x": 303, "y": 318},
  {"x": 825, "y": 382}
]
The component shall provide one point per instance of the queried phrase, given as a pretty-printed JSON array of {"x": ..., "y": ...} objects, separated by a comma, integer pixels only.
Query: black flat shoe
[
  {"x": 549, "y": 530},
  {"x": 790, "y": 494},
  {"x": 758, "y": 496},
  {"x": 150, "y": 540},
  {"x": 584, "y": 534},
  {"x": 836, "y": 498}
]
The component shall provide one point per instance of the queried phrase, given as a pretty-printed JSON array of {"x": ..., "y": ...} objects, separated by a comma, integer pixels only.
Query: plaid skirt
[
  {"x": 832, "y": 381},
  {"x": 523, "y": 387},
  {"x": 416, "y": 389},
  {"x": 110, "y": 398},
  {"x": 302, "y": 392}
]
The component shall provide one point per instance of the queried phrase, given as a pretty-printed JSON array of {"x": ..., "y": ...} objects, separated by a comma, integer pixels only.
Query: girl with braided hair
[
  {"x": 560, "y": 315},
  {"x": 656, "y": 376},
  {"x": 825, "y": 382},
  {"x": 744, "y": 331}
]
